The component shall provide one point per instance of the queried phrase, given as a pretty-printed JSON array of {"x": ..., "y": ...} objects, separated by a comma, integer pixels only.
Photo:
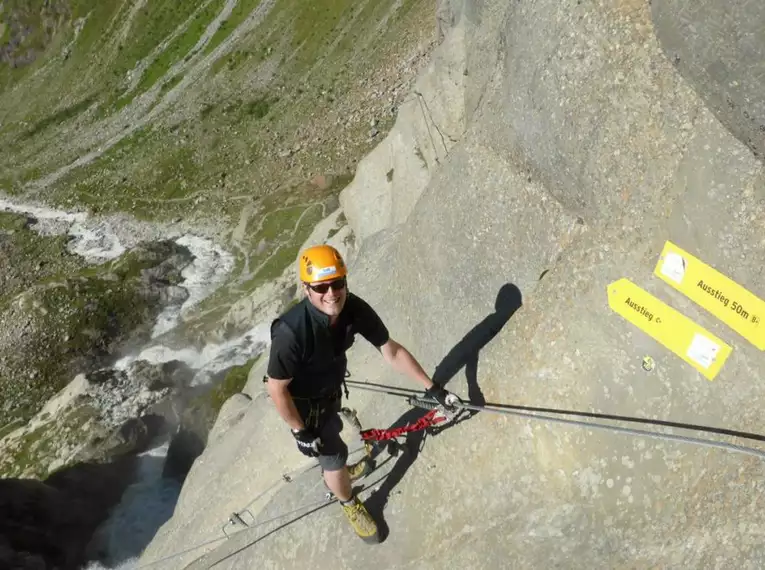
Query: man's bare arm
[
  {"x": 277, "y": 389},
  {"x": 403, "y": 361}
]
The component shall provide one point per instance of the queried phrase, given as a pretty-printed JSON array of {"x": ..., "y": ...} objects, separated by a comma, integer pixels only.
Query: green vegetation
[
  {"x": 97, "y": 15},
  {"x": 234, "y": 60},
  {"x": 10, "y": 427},
  {"x": 240, "y": 12},
  {"x": 107, "y": 187},
  {"x": 233, "y": 383},
  {"x": 242, "y": 142},
  {"x": 152, "y": 24},
  {"x": 203, "y": 410},
  {"x": 283, "y": 244},
  {"x": 333, "y": 32},
  {"x": 130, "y": 265},
  {"x": 203, "y": 156},
  {"x": 277, "y": 223},
  {"x": 27, "y": 258},
  {"x": 178, "y": 49},
  {"x": 311, "y": 19},
  {"x": 77, "y": 321},
  {"x": 239, "y": 109},
  {"x": 291, "y": 103},
  {"x": 170, "y": 83},
  {"x": 74, "y": 321},
  {"x": 34, "y": 19},
  {"x": 60, "y": 116},
  {"x": 31, "y": 454},
  {"x": 30, "y": 447},
  {"x": 259, "y": 108},
  {"x": 10, "y": 222},
  {"x": 31, "y": 27}
]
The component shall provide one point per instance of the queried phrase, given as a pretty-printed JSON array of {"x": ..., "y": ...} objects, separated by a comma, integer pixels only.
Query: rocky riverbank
[{"x": 92, "y": 301}]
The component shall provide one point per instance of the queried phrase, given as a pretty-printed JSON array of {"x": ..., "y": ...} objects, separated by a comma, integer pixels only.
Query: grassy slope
[{"x": 289, "y": 100}]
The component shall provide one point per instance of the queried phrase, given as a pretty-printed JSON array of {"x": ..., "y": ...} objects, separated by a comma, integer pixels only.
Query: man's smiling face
[{"x": 328, "y": 296}]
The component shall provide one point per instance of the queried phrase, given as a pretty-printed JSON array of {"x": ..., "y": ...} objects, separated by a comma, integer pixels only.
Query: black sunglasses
[{"x": 336, "y": 285}]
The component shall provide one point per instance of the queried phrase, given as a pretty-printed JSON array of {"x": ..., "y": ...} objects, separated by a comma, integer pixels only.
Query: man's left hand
[{"x": 442, "y": 396}]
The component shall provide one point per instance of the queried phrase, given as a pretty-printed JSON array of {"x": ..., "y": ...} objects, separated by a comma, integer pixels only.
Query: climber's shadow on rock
[{"x": 465, "y": 355}]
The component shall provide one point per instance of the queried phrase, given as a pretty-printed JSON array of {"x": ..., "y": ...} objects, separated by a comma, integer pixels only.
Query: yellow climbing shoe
[
  {"x": 361, "y": 520},
  {"x": 360, "y": 469}
]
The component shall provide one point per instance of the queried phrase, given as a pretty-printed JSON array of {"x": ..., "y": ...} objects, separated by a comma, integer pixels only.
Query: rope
[
  {"x": 287, "y": 477},
  {"x": 269, "y": 533},
  {"x": 526, "y": 412},
  {"x": 181, "y": 553},
  {"x": 315, "y": 507},
  {"x": 426, "y": 421},
  {"x": 630, "y": 431}
]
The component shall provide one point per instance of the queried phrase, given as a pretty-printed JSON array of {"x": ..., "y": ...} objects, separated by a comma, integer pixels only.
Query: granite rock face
[{"x": 584, "y": 145}]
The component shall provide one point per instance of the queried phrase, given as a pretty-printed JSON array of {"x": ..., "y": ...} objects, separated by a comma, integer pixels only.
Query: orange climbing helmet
[{"x": 321, "y": 263}]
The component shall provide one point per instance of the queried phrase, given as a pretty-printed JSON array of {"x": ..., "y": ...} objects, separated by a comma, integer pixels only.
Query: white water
[
  {"x": 204, "y": 275},
  {"x": 150, "y": 501},
  {"x": 96, "y": 240},
  {"x": 93, "y": 239},
  {"x": 211, "y": 359},
  {"x": 145, "y": 506}
]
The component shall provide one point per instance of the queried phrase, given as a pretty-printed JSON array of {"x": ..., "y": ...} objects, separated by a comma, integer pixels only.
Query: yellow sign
[
  {"x": 725, "y": 299},
  {"x": 698, "y": 347}
]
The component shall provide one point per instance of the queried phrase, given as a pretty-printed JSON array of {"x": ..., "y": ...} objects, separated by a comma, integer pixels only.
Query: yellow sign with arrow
[
  {"x": 724, "y": 298},
  {"x": 691, "y": 342}
]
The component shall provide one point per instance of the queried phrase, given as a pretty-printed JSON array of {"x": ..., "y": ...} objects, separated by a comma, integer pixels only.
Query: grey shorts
[{"x": 324, "y": 420}]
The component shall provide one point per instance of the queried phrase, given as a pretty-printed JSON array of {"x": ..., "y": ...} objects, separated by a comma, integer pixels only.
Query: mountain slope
[{"x": 206, "y": 117}]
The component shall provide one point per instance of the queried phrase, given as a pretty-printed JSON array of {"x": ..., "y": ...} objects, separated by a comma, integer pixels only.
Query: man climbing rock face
[{"x": 307, "y": 365}]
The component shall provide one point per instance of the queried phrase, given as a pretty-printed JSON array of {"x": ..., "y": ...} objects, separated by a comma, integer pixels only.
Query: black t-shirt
[{"x": 287, "y": 359}]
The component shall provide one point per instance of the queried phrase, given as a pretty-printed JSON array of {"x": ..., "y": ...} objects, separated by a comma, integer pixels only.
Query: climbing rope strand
[
  {"x": 631, "y": 431},
  {"x": 177, "y": 554},
  {"x": 287, "y": 477},
  {"x": 393, "y": 390},
  {"x": 315, "y": 507},
  {"x": 529, "y": 413},
  {"x": 266, "y": 535},
  {"x": 403, "y": 392},
  {"x": 219, "y": 539}
]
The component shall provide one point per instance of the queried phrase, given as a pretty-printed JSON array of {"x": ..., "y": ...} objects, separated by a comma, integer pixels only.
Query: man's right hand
[
  {"x": 307, "y": 442},
  {"x": 442, "y": 396}
]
